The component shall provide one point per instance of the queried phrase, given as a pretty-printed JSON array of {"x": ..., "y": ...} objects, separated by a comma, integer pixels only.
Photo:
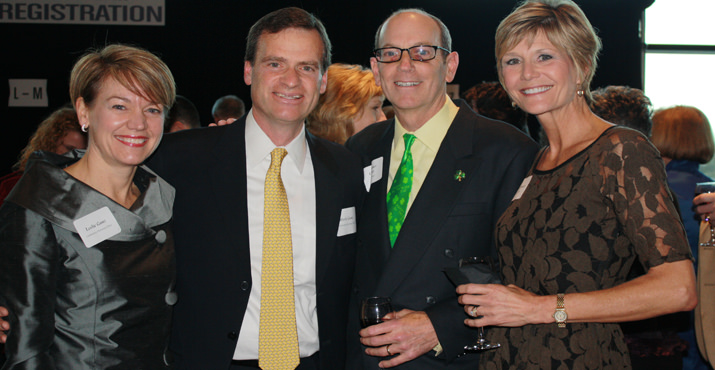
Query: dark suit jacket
[
  {"x": 208, "y": 169},
  {"x": 448, "y": 220}
]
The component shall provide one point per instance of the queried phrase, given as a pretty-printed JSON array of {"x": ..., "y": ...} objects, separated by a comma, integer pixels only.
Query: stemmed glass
[
  {"x": 373, "y": 309},
  {"x": 485, "y": 265},
  {"x": 707, "y": 187}
]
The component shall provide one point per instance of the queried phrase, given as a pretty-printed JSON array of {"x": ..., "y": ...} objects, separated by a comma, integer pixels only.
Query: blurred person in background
[
  {"x": 183, "y": 115},
  {"x": 351, "y": 102},
  {"x": 59, "y": 133},
  {"x": 623, "y": 106},
  {"x": 228, "y": 106},
  {"x": 684, "y": 138}
]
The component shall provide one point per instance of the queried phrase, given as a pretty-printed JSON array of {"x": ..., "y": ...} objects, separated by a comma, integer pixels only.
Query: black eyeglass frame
[{"x": 435, "y": 47}]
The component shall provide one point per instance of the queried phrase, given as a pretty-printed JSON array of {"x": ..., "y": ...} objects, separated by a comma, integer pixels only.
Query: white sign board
[{"x": 27, "y": 93}]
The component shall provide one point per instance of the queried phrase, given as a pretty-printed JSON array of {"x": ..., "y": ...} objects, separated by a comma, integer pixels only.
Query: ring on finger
[
  {"x": 388, "y": 349},
  {"x": 473, "y": 311}
]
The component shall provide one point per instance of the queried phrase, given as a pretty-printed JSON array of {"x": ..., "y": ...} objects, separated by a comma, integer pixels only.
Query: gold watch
[{"x": 560, "y": 314}]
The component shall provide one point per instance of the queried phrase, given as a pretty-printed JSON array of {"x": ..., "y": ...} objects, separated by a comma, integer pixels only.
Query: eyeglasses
[{"x": 419, "y": 53}]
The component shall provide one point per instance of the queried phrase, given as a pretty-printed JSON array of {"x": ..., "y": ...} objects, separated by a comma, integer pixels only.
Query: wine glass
[
  {"x": 707, "y": 187},
  {"x": 373, "y": 309},
  {"x": 484, "y": 264}
]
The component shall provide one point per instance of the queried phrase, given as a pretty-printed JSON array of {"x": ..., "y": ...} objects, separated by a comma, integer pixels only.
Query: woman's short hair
[
  {"x": 563, "y": 23},
  {"x": 350, "y": 88},
  {"x": 683, "y": 132},
  {"x": 140, "y": 71},
  {"x": 49, "y": 134}
]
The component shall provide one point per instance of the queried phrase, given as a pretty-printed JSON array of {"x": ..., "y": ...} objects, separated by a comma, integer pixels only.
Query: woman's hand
[
  {"x": 500, "y": 305},
  {"x": 705, "y": 206}
]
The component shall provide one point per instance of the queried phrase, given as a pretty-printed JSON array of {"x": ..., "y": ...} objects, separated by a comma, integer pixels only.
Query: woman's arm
[
  {"x": 28, "y": 273},
  {"x": 667, "y": 288}
]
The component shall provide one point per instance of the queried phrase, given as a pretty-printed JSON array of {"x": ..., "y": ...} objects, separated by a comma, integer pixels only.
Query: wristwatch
[{"x": 560, "y": 314}]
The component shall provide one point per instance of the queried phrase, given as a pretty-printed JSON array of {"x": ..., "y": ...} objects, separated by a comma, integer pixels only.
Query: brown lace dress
[{"x": 579, "y": 228}]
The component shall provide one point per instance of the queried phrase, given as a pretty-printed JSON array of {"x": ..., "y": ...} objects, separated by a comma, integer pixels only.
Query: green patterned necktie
[{"x": 399, "y": 193}]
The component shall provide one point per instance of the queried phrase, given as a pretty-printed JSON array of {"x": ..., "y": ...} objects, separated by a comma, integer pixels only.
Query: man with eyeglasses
[{"x": 427, "y": 206}]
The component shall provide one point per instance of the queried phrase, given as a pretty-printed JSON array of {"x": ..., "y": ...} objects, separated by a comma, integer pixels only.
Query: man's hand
[
  {"x": 4, "y": 325},
  {"x": 405, "y": 335}
]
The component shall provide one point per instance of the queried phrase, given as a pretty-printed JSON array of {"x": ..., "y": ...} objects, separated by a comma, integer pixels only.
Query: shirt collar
[
  {"x": 259, "y": 145},
  {"x": 435, "y": 129}
]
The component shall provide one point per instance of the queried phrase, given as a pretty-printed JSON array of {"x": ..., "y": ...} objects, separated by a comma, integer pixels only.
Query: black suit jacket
[
  {"x": 208, "y": 169},
  {"x": 449, "y": 219}
]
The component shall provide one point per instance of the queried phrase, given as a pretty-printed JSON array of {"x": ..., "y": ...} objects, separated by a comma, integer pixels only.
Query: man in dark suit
[
  {"x": 466, "y": 169},
  {"x": 218, "y": 213}
]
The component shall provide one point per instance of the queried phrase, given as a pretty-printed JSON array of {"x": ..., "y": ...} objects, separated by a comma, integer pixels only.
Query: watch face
[{"x": 560, "y": 316}]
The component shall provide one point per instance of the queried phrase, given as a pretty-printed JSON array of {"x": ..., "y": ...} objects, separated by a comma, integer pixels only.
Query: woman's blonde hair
[
  {"x": 350, "y": 88},
  {"x": 683, "y": 132},
  {"x": 564, "y": 24},
  {"x": 140, "y": 71}
]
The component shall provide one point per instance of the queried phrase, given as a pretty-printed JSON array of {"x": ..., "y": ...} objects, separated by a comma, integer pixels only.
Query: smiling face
[
  {"x": 124, "y": 128},
  {"x": 369, "y": 114},
  {"x": 286, "y": 80},
  {"x": 416, "y": 89},
  {"x": 539, "y": 77}
]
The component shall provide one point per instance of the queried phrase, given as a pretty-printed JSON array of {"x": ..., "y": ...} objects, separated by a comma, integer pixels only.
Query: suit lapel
[
  {"x": 433, "y": 204},
  {"x": 328, "y": 198},
  {"x": 378, "y": 194},
  {"x": 227, "y": 172}
]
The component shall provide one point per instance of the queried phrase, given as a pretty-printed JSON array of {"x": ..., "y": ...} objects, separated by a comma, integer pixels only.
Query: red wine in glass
[{"x": 373, "y": 309}]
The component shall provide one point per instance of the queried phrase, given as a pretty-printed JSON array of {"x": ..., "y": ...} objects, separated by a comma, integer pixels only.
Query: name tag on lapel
[
  {"x": 348, "y": 223},
  {"x": 373, "y": 173},
  {"x": 522, "y": 187},
  {"x": 97, "y": 227}
]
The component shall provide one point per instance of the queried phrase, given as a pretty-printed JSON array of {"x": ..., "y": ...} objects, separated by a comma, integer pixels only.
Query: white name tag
[
  {"x": 97, "y": 227},
  {"x": 373, "y": 173},
  {"x": 522, "y": 187},
  {"x": 348, "y": 223}
]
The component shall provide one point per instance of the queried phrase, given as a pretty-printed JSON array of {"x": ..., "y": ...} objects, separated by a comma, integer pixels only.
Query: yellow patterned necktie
[{"x": 278, "y": 336}]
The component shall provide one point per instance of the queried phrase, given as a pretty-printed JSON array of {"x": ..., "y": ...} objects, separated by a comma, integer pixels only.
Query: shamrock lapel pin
[{"x": 460, "y": 175}]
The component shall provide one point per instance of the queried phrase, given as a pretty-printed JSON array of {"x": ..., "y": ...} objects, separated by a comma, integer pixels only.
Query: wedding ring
[
  {"x": 388, "y": 349},
  {"x": 473, "y": 311}
]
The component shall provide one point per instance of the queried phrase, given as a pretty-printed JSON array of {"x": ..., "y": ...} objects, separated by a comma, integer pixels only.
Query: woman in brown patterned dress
[{"x": 595, "y": 200}]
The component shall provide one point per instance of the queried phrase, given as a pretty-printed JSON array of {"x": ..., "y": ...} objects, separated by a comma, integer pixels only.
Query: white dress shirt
[{"x": 299, "y": 182}]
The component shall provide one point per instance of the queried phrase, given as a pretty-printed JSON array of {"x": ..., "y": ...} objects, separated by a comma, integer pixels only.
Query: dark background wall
[{"x": 203, "y": 44}]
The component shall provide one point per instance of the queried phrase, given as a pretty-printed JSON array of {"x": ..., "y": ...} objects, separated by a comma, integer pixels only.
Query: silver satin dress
[{"x": 74, "y": 307}]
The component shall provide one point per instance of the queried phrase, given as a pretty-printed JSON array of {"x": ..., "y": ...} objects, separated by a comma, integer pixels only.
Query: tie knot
[
  {"x": 277, "y": 156},
  {"x": 409, "y": 139}
]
